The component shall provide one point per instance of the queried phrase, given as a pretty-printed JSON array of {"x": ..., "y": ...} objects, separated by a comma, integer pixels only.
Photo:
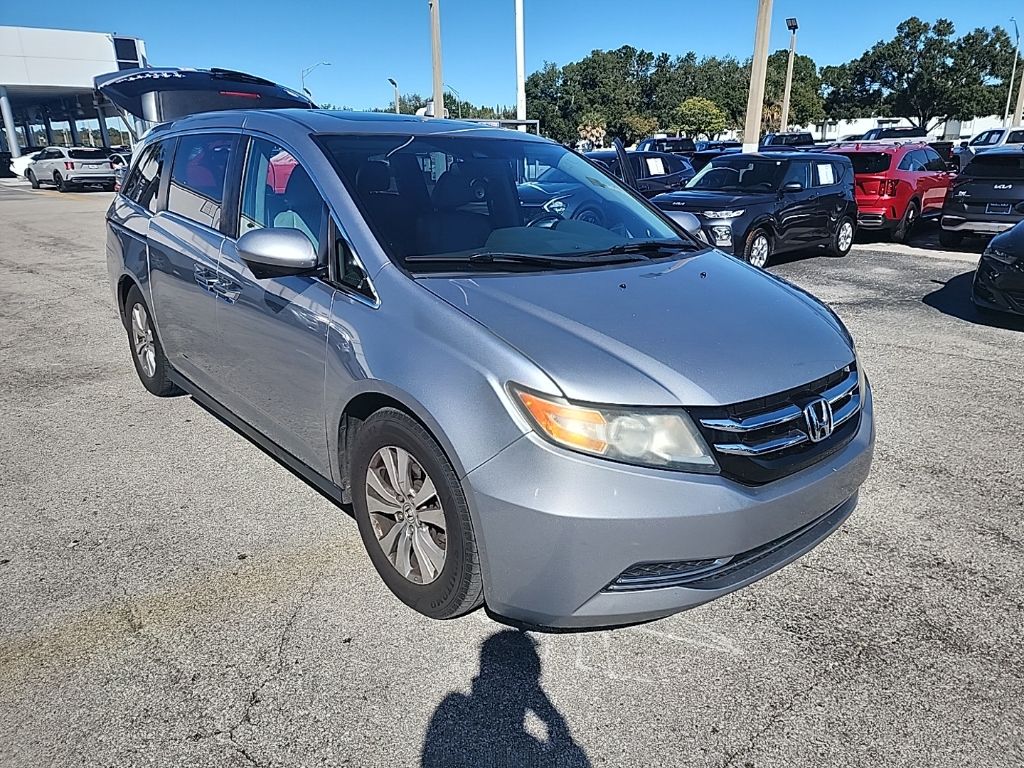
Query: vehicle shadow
[
  {"x": 953, "y": 298},
  {"x": 488, "y": 726}
]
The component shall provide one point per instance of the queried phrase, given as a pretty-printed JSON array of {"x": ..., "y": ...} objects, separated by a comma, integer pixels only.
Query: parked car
[
  {"x": 850, "y": 137},
  {"x": 988, "y": 140},
  {"x": 676, "y": 145},
  {"x": 654, "y": 172},
  {"x": 579, "y": 425},
  {"x": 704, "y": 146},
  {"x": 999, "y": 279},
  {"x": 986, "y": 198},
  {"x": 20, "y": 164},
  {"x": 894, "y": 132},
  {"x": 70, "y": 168},
  {"x": 787, "y": 140},
  {"x": 896, "y": 184},
  {"x": 760, "y": 205},
  {"x": 699, "y": 159}
]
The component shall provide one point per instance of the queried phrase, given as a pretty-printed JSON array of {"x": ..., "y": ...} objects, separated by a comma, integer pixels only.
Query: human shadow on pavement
[
  {"x": 953, "y": 298},
  {"x": 487, "y": 728}
]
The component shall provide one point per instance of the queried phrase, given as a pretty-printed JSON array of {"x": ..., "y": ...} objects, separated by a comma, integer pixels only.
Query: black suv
[
  {"x": 758, "y": 205},
  {"x": 676, "y": 145},
  {"x": 986, "y": 198},
  {"x": 792, "y": 140},
  {"x": 894, "y": 133}
]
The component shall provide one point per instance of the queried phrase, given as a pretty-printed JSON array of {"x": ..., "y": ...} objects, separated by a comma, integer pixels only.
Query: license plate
[{"x": 997, "y": 208}]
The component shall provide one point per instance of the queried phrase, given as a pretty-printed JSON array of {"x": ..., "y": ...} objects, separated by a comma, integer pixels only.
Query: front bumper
[
  {"x": 999, "y": 286},
  {"x": 557, "y": 529}
]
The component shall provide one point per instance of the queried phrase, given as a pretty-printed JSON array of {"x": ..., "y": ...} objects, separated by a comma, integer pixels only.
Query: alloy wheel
[
  {"x": 406, "y": 514},
  {"x": 845, "y": 240},
  {"x": 759, "y": 251},
  {"x": 142, "y": 340}
]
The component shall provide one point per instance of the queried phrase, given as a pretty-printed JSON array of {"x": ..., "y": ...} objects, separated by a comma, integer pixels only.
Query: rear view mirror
[
  {"x": 792, "y": 186},
  {"x": 277, "y": 252}
]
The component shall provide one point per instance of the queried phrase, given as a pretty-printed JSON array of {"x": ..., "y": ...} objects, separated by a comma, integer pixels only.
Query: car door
[
  {"x": 44, "y": 167},
  {"x": 936, "y": 179},
  {"x": 653, "y": 173},
  {"x": 273, "y": 331},
  {"x": 184, "y": 247},
  {"x": 797, "y": 211},
  {"x": 829, "y": 200}
]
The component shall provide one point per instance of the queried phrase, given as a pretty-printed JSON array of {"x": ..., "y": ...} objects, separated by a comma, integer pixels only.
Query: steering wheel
[{"x": 554, "y": 218}]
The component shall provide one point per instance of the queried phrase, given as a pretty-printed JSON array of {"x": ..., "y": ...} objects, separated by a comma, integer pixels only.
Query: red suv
[{"x": 896, "y": 184}]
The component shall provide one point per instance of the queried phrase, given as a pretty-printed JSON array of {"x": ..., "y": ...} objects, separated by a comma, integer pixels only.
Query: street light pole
[
  {"x": 1013, "y": 72},
  {"x": 758, "y": 70},
  {"x": 397, "y": 100},
  {"x": 792, "y": 25},
  {"x": 307, "y": 70},
  {"x": 520, "y": 65},
  {"x": 435, "y": 49}
]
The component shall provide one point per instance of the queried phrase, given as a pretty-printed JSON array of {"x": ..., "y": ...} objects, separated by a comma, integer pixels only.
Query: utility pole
[
  {"x": 1013, "y": 73},
  {"x": 758, "y": 70},
  {"x": 397, "y": 98},
  {"x": 520, "y": 65},
  {"x": 792, "y": 25},
  {"x": 435, "y": 48}
]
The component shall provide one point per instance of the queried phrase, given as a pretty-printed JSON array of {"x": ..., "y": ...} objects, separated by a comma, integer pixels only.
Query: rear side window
[
  {"x": 1015, "y": 137},
  {"x": 277, "y": 192},
  {"x": 869, "y": 162},
  {"x": 989, "y": 166},
  {"x": 197, "y": 177},
  {"x": 933, "y": 162},
  {"x": 89, "y": 154},
  {"x": 913, "y": 161},
  {"x": 826, "y": 174},
  {"x": 144, "y": 182}
]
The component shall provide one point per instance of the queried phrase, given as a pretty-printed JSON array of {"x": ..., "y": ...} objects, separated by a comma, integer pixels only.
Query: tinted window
[
  {"x": 1015, "y": 137},
  {"x": 869, "y": 162},
  {"x": 739, "y": 174},
  {"x": 143, "y": 183},
  {"x": 89, "y": 154},
  {"x": 799, "y": 172},
  {"x": 277, "y": 192},
  {"x": 932, "y": 160},
  {"x": 825, "y": 174},
  {"x": 987, "y": 138},
  {"x": 674, "y": 145},
  {"x": 434, "y": 200},
  {"x": 197, "y": 178},
  {"x": 991, "y": 166}
]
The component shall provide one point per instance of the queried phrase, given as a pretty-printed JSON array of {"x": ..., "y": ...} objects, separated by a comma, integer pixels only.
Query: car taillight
[
  {"x": 68, "y": 165},
  {"x": 888, "y": 187}
]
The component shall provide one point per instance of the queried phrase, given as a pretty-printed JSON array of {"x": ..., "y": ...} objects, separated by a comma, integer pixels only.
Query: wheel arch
[{"x": 124, "y": 285}]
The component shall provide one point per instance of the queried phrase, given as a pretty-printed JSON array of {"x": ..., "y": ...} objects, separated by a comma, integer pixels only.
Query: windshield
[
  {"x": 739, "y": 173},
  {"x": 446, "y": 198},
  {"x": 868, "y": 162}
]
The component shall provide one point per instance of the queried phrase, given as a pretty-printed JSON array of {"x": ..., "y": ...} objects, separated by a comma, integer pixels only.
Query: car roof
[
  {"x": 787, "y": 155},
  {"x": 876, "y": 147}
]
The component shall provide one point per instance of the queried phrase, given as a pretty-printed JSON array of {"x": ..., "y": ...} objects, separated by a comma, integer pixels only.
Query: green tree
[
  {"x": 698, "y": 116},
  {"x": 805, "y": 102}
]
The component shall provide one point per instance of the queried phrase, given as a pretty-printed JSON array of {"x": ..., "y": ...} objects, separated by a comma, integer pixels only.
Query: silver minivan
[{"x": 577, "y": 423}]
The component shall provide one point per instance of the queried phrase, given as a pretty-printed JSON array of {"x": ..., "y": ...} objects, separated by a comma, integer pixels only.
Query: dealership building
[{"x": 46, "y": 87}]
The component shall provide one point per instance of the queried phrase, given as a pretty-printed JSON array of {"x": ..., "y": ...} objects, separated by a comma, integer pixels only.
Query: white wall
[{"x": 54, "y": 57}]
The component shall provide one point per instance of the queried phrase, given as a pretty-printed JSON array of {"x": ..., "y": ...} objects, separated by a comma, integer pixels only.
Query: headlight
[
  {"x": 722, "y": 234},
  {"x": 652, "y": 437},
  {"x": 998, "y": 255},
  {"x": 555, "y": 205},
  {"x": 862, "y": 378},
  {"x": 723, "y": 214}
]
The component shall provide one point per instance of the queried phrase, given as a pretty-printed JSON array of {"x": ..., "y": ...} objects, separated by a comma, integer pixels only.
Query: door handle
[{"x": 205, "y": 277}]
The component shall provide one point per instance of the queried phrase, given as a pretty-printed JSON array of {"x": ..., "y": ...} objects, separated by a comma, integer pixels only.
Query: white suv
[
  {"x": 70, "y": 167},
  {"x": 986, "y": 140}
]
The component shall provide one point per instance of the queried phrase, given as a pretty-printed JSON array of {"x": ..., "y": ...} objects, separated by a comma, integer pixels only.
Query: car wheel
[
  {"x": 903, "y": 229},
  {"x": 413, "y": 516},
  {"x": 842, "y": 239},
  {"x": 758, "y": 249},
  {"x": 32, "y": 179},
  {"x": 147, "y": 353},
  {"x": 62, "y": 185},
  {"x": 950, "y": 239}
]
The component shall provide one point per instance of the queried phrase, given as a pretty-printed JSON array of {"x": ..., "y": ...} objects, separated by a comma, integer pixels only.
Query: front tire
[
  {"x": 757, "y": 251},
  {"x": 147, "y": 352},
  {"x": 413, "y": 516},
  {"x": 842, "y": 238},
  {"x": 32, "y": 179}
]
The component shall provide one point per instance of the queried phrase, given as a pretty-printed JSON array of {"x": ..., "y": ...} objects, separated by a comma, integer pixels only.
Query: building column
[
  {"x": 49, "y": 131},
  {"x": 9, "y": 128},
  {"x": 104, "y": 133},
  {"x": 76, "y": 140}
]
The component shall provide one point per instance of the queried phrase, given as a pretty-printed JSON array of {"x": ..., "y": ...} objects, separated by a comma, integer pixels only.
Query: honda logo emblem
[{"x": 818, "y": 415}]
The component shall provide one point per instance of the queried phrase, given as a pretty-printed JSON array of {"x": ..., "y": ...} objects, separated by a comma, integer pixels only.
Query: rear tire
[
  {"x": 410, "y": 536},
  {"x": 950, "y": 239},
  {"x": 842, "y": 238},
  {"x": 32, "y": 179},
  {"x": 757, "y": 251},
  {"x": 902, "y": 232},
  {"x": 62, "y": 185},
  {"x": 147, "y": 352}
]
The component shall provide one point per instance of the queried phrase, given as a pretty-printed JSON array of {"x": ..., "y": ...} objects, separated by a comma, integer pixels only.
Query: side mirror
[
  {"x": 277, "y": 252},
  {"x": 953, "y": 166},
  {"x": 963, "y": 145},
  {"x": 792, "y": 186}
]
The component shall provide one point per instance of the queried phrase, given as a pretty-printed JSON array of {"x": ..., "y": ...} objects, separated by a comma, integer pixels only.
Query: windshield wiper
[
  {"x": 501, "y": 257},
  {"x": 643, "y": 247}
]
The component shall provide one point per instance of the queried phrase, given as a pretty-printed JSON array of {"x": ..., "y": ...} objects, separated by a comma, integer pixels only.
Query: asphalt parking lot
[{"x": 172, "y": 596}]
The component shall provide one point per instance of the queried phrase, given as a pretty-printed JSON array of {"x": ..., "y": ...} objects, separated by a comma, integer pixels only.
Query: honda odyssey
[{"x": 577, "y": 424}]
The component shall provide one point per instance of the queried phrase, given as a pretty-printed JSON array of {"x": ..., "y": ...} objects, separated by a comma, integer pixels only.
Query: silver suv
[{"x": 578, "y": 423}]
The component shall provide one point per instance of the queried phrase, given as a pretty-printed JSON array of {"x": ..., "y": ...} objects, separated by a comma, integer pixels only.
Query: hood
[
  {"x": 694, "y": 200},
  {"x": 704, "y": 330}
]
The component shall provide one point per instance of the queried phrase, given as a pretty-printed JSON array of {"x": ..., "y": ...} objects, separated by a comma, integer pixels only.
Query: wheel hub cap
[
  {"x": 142, "y": 340},
  {"x": 406, "y": 514}
]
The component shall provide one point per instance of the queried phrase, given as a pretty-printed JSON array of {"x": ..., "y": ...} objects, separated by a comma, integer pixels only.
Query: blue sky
[{"x": 368, "y": 41}]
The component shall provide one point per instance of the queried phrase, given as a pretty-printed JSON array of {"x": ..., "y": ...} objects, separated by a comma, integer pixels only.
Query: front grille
[
  {"x": 762, "y": 440},
  {"x": 723, "y": 572}
]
